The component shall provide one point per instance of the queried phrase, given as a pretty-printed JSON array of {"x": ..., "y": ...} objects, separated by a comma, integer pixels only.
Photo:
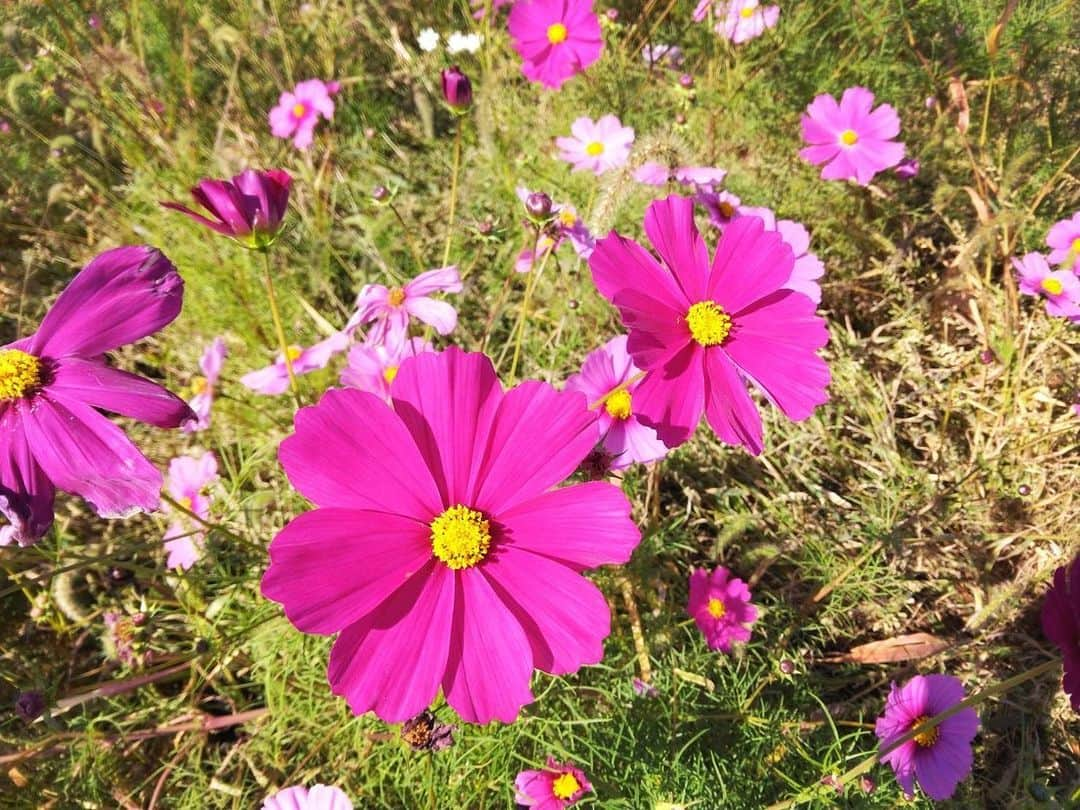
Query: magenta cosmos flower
[
  {"x": 554, "y": 787},
  {"x": 808, "y": 267},
  {"x": 940, "y": 758},
  {"x": 1060, "y": 288},
  {"x": 604, "y": 377},
  {"x": 52, "y": 382},
  {"x": 274, "y": 378},
  {"x": 1064, "y": 241},
  {"x": 744, "y": 20},
  {"x": 853, "y": 141},
  {"x": 387, "y": 309},
  {"x": 297, "y": 112},
  {"x": 249, "y": 208},
  {"x": 720, "y": 606},
  {"x": 1061, "y": 624},
  {"x": 317, "y": 797},
  {"x": 596, "y": 146},
  {"x": 698, "y": 328},
  {"x": 204, "y": 385},
  {"x": 189, "y": 483},
  {"x": 556, "y": 39},
  {"x": 373, "y": 366},
  {"x": 436, "y": 524}
]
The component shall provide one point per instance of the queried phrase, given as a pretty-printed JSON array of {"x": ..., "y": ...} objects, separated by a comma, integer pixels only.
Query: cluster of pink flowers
[{"x": 1055, "y": 277}]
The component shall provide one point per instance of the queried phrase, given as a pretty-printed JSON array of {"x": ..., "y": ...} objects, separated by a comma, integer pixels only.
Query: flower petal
[
  {"x": 669, "y": 224},
  {"x": 111, "y": 389}
]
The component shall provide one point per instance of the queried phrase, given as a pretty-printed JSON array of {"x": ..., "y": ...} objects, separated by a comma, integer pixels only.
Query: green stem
[
  {"x": 453, "y": 194},
  {"x": 534, "y": 274},
  {"x": 279, "y": 329}
]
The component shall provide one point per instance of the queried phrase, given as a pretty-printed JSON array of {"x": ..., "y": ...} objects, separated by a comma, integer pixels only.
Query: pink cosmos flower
[
  {"x": 373, "y": 366},
  {"x": 189, "y": 485},
  {"x": 297, "y": 113},
  {"x": 596, "y": 146},
  {"x": 657, "y": 174},
  {"x": 808, "y": 267},
  {"x": 907, "y": 169},
  {"x": 274, "y": 379},
  {"x": 669, "y": 56},
  {"x": 436, "y": 520},
  {"x": 202, "y": 387},
  {"x": 317, "y": 797},
  {"x": 624, "y": 437},
  {"x": 852, "y": 141},
  {"x": 1061, "y": 624},
  {"x": 721, "y": 607},
  {"x": 565, "y": 225},
  {"x": 700, "y": 327},
  {"x": 52, "y": 383},
  {"x": 701, "y": 10},
  {"x": 722, "y": 206},
  {"x": 745, "y": 20},
  {"x": 1064, "y": 238},
  {"x": 481, "y": 6},
  {"x": 387, "y": 309},
  {"x": 249, "y": 208},
  {"x": 939, "y": 758},
  {"x": 556, "y": 786},
  {"x": 1060, "y": 288},
  {"x": 556, "y": 39}
]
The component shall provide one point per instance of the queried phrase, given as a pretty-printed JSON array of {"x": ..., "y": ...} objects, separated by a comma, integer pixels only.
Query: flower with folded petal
[
  {"x": 436, "y": 517},
  {"x": 608, "y": 375},
  {"x": 808, "y": 267},
  {"x": 52, "y": 383},
  {"x": 203, "y": 386},
  {"x": 274, "y": 378},
  {"x": 745, "y": 20},
  {"x": 249, "y": 208},
  {"x": 317, "y": 797},
  {"x": 554, "y": 787},
  {"x": 556, "y": 39},
  {"x": 1064, "y": 241},
  {"x": 940, "y": 757},
  {"x": 1060, "y": 288},
  {"x": 596, "y": 146},
  {"x": 1061, "y": 624},
  {"x": 852, "y": 140},
  {"x": 189, "y": 483},
  {"x": 387, "y": 309},
  {"x": 373, "y": 366},
  {"x": 700, "y": 327},
  {"x": 720, "y": 606},
  {"x": 297, "y": 112}
]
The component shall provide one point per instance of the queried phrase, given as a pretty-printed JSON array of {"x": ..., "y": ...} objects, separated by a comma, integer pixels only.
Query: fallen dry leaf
[{"x": 910, "y": 647}]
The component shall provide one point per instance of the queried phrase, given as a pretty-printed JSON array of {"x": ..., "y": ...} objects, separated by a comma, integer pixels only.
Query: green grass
[{"x": 897, "y": 508}]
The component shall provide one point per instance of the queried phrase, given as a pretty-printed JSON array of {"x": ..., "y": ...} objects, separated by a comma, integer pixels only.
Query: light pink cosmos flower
[
  {"x": 1060, "y": 288},
  {"x": 720, "y": 606},
  {"x": 566, "y": 225},
  {"x": 189, "y": 485},
  {"x": 625, "y": 438},
  {"x": 317, "y": 797},
  {"x": 274, "y": 379},
  {"x": 554, "y": 787},
  {"x": 852, "y": 141},
  {"x": 1064, "y": 239},
  {"x": 373, "y": 366},
  {"x": 202, "y": 387},
  {"x": 701, "y": 10},
  {"x": 669, "y": 56},
  {"x": 387, "y": 309},
  {"x": 939, "y": 758},
  {"x": 53, "y": 382},
  {"x": 699, "y": 328},
  {"x": 596, "y": 146},
  {"x": 297, "y": 112},
  {"x": 745, "y": 20},
  {"x": 657, "y": 174},
  {"x": 556, "y": 39},
  {"x": 808, "y": 267},
  {"x": 436, "y": 519}
]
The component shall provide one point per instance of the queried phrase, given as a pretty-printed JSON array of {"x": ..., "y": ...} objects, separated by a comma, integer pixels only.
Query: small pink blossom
[
  {"x": 723, "y": 206},
  {"x": 808, "y": 267},
  {"x": 720, "y": 606},
  {"x": 745, "y": 20},
  {"x": 297, "y": 112},
  {"x": 556, "y": 786},
  {"x": 596, "y": 146},
  {"x": 274, "y": 379},
  {"x": 387, "y": 309},
  {"x": 556, "y": 39},
  {"x": 657, "y": 174},
  {"x": 1060, "y": 288},
  {"x": 669, "y": 56},
  {"x": 188, "y": 484},
  {"x": 852, "y": 140},
  {"x": 1064, "y": 239},
  {"x": 373, "y": 367},
  {"x": 202, "y": 387},
  {"x": 317, "y": 797}
]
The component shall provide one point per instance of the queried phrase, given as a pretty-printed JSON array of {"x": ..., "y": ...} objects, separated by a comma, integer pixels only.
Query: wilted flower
[
  {"x": 596, "y": 146},
  {"x": 556, "y": 39},
  {"x": 249, "y": 208},
  {"x": 556, "y": 786},
  {"x": 29, "y": 705},
  {"x": 853, "y": 141},
  {"x": 425, "y": 733},
  {"x": 297, "y": 112},
  {"x": 720, "y": 606}
]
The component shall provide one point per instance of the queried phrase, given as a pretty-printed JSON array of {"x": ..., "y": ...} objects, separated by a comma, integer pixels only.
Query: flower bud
[
  {"x": 686, "y": 81},
  {"x": 29, "y": 705},
  {"x": 456, "y": 90},
  {"x": 380, "y": 193},
  {"x": 538, "y": 204}
]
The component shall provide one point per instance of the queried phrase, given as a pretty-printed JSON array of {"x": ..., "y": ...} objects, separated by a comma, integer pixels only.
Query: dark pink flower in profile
[
  {"x": 441, "y": 550},
  {"x": 204, "y": 385},
  {"x": 854, "y": 141},
  {"x": 52, "y": 383},
  {"x": 1064, "y": 241},
  {"x": 249, "y": 208},
  {"x": 720, "y": 606},
  {"x": 556, "y": 39},
  {"x": 297, "y": 112},
  {"x": 939, "y": 758},
  {"x": 317, "y": 797},
  {"x": 554, "y": 787},
  {"x": 1061, "y": 624},
  {"x": 699, "y": 328},
  {"x": 387, "y": 309}
]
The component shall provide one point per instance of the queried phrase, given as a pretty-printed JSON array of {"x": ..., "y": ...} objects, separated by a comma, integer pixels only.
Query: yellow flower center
[
  {"x": 396, "y": 296},
  {"x": 199, "y": 385},
  {"x": 567, "y": 218},
  {"x": 460, "y": 537},
  {"x": 389, "y": 373},
  {"x": 299, "y": 110},
  {"x": 293, "y": 353},
  {"x": 185, "y": 502},
  {"x": 928, "y": 737},
  {"x": 746, "y": 13},
  {"x": 716, "y": 608},
  {"x": 849, "y": 137},
  {"x": 594, "y": 149},
  {"x": 709, "y": 324},
  {"x": 1052, "y": 285},
  {"x": 618, "y": 404},
  {"x": 727, "y": 210},
  {"x": 1075, "y": 247},
  {"x": 20, "y": 374},
  {"x": 565, "y": 786},
  {"x": 557, "y": 33}
]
